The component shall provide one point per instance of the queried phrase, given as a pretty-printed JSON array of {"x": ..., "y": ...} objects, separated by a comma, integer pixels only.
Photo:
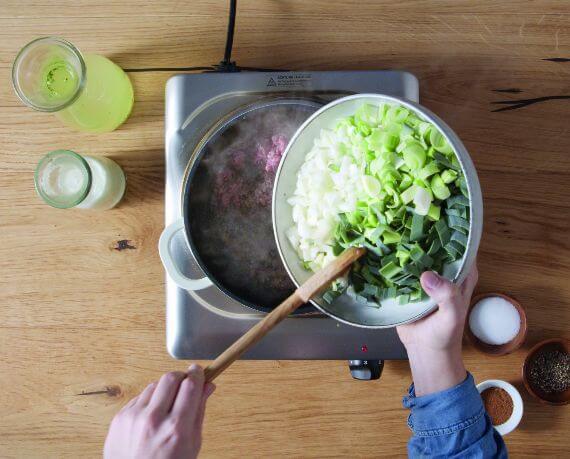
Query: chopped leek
[
  {"x": 414, "y": 155},
  {"x": 430, "y": 169},
  {"x": 422, "y": 200},
  {"x": 434, "y": 212},
  {"x": 437, "y": 140},
  {"x": 417, "y": 228},
  {"x": 390, "y": 270},
  {"x": 388, "y": 181},
  {"x": 448, "y": 176},
  {"x": 439, "y": 188}
]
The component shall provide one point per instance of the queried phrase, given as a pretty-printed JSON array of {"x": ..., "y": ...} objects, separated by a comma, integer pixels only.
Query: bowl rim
[
  {"x": 518, "y": 405},
  {"x": 464, "y": 159},
  {"x": 565, "y": 342},
  {"x": 497, "y": 350}
]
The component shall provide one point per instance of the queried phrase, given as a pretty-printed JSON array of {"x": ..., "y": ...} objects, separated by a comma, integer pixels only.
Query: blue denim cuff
[{"x": 445, "y": 412}]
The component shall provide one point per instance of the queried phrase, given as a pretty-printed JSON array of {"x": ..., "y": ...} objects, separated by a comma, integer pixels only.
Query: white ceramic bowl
[
  {"x": 344, "y": 308},
  {"x": 516, "y": 416}
]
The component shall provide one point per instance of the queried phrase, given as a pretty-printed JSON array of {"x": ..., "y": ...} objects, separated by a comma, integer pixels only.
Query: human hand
[
  {"x": 444, "y": 328},
  {"x": 434, "y": 342},
  {"x": 164, "y": 420}
]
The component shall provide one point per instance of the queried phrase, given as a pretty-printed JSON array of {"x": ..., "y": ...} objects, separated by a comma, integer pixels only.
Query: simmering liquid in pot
[{"x": 229, "y": 204}]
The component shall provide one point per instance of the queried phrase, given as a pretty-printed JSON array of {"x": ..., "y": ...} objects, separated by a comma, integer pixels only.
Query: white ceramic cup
[{"x": 516, "y": 416}]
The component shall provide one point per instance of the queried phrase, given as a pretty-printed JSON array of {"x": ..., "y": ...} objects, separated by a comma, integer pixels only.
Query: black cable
[
  {"x": 230, "y": 34},
  {"x": 260, "y": 69},
  {"x": 169, "y": 69},
  {"x": 226, "y": 65}
]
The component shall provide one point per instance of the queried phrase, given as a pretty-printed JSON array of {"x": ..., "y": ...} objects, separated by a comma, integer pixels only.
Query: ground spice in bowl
[
  {"x": 549, "y": 371},
  {"x": 498, "y": 404}
]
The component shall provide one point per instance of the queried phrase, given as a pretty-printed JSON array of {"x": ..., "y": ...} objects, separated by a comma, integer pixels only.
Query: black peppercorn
[{"x": 549, "y": 371}]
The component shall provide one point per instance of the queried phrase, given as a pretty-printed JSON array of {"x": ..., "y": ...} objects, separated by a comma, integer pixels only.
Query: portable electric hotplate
[{"x": 201, "y": 324}]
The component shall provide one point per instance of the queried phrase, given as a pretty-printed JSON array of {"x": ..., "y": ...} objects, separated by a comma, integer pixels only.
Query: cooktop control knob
[{"x": 366, "y": 370}]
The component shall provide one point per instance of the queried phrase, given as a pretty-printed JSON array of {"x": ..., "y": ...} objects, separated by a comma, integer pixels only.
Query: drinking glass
[
  {"x": 65, "y": 179},
  {"x": 86, "y": 92}
]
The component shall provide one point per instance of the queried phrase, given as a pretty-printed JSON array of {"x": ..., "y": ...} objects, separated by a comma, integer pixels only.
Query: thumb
[{"x": 438, "y": 288}]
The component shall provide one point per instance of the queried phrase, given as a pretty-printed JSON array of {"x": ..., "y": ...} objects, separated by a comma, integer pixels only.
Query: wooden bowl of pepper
[{"x": 546, "y": 371}]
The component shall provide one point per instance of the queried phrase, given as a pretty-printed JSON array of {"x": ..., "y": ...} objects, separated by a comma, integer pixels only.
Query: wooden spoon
[{"x": 314, "y": 285}]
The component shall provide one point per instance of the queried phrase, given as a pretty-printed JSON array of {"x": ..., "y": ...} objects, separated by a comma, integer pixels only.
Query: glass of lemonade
[{"x": 87, "y": 92}]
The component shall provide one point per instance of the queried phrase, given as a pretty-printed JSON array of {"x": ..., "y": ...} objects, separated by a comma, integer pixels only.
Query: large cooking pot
[
  {"x": 226, "y": 204},
  {"x": 345, "y": 308}
]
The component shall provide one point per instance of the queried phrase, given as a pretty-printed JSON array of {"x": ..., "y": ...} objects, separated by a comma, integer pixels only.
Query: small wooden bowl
[
  {"x": 554, "y": 398},
  {"x": 497, "y": 349}
]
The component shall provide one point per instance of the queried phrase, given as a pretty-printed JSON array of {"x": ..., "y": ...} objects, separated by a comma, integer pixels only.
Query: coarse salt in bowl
[
  {"x": 496, "y": 324},
  {"x": 494, "y": 320}
]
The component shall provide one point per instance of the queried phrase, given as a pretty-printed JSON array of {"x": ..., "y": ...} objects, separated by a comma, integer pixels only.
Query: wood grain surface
[{"x": 82, "y": 323}]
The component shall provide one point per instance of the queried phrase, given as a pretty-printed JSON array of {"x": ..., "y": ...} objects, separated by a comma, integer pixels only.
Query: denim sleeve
[{"x": 452, "y": 423}]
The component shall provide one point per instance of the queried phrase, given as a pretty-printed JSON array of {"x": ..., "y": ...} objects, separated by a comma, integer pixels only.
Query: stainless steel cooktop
[{"x": 201, "y": 324}]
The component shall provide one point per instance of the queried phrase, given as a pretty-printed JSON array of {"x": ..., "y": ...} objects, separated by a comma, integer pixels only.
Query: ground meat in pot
[{"x": 230, "y": 204}]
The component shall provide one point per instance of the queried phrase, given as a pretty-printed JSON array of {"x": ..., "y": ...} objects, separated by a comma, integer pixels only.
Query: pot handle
[{"x": 171, "y": 267}]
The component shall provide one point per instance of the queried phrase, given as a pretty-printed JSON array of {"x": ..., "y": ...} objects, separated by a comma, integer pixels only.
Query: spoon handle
[{"x": 314, "y": 285}]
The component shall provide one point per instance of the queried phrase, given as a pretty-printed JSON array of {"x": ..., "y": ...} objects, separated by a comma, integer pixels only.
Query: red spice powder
[{"x": 498, "y": 403}]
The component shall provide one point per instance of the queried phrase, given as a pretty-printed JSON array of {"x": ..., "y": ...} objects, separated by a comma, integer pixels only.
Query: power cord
[{"x": 226, "y": 65}]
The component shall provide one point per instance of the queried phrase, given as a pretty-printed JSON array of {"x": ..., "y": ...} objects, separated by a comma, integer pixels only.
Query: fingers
[
  {"x": 209, "y": 389},
  {"x": 187, "y": 404},
  {"x": 438, "y": 288},
  {"x": 165, "y": 392},
  {"x": 145, "y": 396},
  {"x": 132, "y": 402},
  {"x": 470, "y": 282}
]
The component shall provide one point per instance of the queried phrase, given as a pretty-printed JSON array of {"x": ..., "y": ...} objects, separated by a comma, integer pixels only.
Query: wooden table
[{"x": 82, "y": 323}]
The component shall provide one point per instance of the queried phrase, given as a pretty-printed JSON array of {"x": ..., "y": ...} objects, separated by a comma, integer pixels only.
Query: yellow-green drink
[
  {"x": 60, "y": 80},
  {"x": 88, "y": 93}
]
